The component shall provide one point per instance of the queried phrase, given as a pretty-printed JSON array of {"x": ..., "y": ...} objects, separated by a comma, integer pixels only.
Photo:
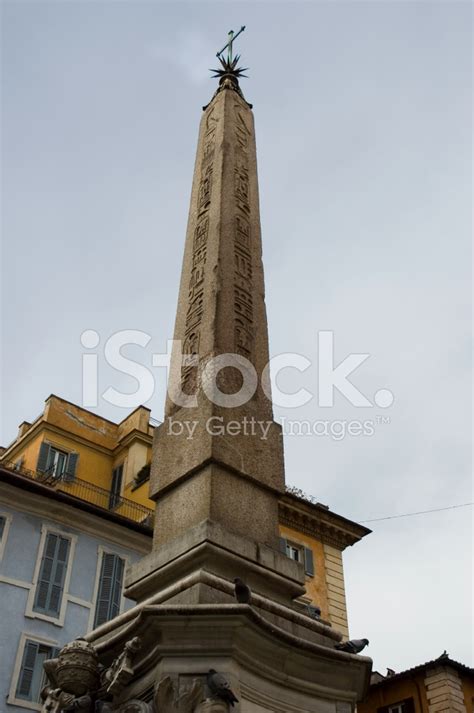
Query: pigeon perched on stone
[
  {"x": 355, "y": 646},
  {"x": 220, "y": 688},
  {"x": 313, "y": 611},
  {"x": 242, "y": 592}
]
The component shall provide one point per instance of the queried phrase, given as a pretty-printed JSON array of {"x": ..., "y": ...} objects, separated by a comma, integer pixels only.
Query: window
[
  {"x": 110, "y": 588},
  {"x": 299, "y": 553},
  {"x": 294, "y": 552},
  {"x": 32, "y": 677},
  {"x": 406, "y": 706},
  {"x": 50, "y": 586},
  {"x": 5, "y": 521},
  {"x": 56, "y": 463},
  {"x": 116, "y": 487}
]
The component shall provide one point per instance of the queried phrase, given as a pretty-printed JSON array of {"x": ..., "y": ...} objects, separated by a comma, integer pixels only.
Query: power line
[{"x": 420, "y": 512}]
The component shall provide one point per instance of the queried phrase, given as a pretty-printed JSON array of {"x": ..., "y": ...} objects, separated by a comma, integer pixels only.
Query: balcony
[{"x": 88, "y": 492}]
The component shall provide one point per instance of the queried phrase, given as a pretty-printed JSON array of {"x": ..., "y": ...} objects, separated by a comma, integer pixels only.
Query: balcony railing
[{"x": 88, "y": 492}]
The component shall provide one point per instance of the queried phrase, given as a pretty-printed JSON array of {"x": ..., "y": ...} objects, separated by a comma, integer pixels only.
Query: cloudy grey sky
[{"x": 364, "y": 143}]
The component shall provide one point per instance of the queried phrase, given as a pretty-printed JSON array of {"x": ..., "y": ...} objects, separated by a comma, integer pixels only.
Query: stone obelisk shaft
[{"x": 230, "y": 469}]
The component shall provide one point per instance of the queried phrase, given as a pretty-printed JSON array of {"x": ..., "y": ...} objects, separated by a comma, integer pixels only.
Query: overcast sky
[{"x": 363, "y": 125}]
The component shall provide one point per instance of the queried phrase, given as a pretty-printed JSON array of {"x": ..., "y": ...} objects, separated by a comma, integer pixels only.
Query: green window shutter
[
  {"x": 42, "y": 463},
  {"x": 110, "y": 588},
  {"x": 53, "y": 568},
  {"x": 116, "y": 487},
  {"x": 308, "y": 562},
  {"x": 117, "y": 587},
  {"x": 25, "y": 679},
  {"x": 71, "y": 465},
  {"x": 282, "y": 542}
]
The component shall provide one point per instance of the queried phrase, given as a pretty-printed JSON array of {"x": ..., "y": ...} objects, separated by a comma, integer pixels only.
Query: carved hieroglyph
[
  {"x": 195, "y": 308},
  {"x": 221, "y": 296}
]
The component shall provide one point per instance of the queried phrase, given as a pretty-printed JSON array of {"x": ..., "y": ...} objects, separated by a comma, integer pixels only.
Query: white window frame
[
  {"x": 290, "y": 544},
  {"x": 101, "y": 550},
  {"x": 24, "y": 637},
  {"x": 397, "y": 708},
  {"x": 8, "y": 519},
  {"x": 29, "y": 612},
  {"x": 57, "y": 452}
]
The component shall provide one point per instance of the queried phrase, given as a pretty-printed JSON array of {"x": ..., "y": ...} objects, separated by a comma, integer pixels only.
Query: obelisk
[
  {"x": 231, "y": 468},
  {"x": 217, "y": 492},
  {"x": 218, "y": 457}
]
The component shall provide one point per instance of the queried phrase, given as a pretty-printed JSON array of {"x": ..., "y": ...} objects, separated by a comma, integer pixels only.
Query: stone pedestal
[{"x": 270, "y": 669}]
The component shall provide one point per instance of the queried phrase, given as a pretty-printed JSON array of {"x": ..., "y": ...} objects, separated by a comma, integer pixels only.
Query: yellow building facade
[{"x": 107, "y": 464}]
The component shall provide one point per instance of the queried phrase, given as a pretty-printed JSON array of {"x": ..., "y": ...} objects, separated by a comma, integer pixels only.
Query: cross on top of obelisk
[
  {"x": 229, "y": 68},
  {"x": 229, "y": 44}
]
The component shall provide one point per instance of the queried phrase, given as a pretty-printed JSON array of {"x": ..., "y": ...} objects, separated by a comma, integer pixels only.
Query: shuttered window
[
  {"x": 116, "y": 487},
  {"x": 32, "y": 676},
  {"x": 299, "y": 554},
  {"x": 308, "y": 561},
  {"x": 110, "y": 588},
  {"x": 49, "y": 589},
  {"x": 56, "y": 463}
]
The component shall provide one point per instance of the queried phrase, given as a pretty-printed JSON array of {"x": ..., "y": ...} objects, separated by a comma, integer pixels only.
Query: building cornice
[
  {"x": 42, "y": 426},
  {"x": 134, "y": 435},
  {"x": 318, "y": 521},
  {"x": 24, "y": 439}
]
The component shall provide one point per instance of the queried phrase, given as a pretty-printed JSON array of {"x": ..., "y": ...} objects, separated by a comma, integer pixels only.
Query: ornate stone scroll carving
[{"x": 167, "y": 699}]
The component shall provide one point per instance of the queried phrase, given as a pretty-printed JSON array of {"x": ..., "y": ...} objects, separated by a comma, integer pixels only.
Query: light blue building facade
[{"x": 62, "y": 565}]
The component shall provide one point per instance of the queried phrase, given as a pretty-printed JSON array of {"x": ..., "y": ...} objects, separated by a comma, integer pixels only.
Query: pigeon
[
  {"x": 242, "y": 592},
  {"x": 219, "y": 687},
  {"x": 313, "y": 611},
  {"x": 353, "y": 647}
]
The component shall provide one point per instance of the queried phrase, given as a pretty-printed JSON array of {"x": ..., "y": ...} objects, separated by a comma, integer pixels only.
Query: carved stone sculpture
[
  {"x": 76, "y": 685},
  {"x": 116, "y": 677},
  {"x": 133, "y": 706},
  {"x": 54, "y": 700},
  {"x": 167, "y": 700},
  {"x": 77, "y": 669},
  {"x": 209, "y": 706}
]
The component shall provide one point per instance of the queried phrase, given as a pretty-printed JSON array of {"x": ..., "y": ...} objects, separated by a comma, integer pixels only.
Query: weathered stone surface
[
  {"x": 211, "y": 547},
  {"x": 233, "y": 477},
  {"x": 267, "y": 667}
]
